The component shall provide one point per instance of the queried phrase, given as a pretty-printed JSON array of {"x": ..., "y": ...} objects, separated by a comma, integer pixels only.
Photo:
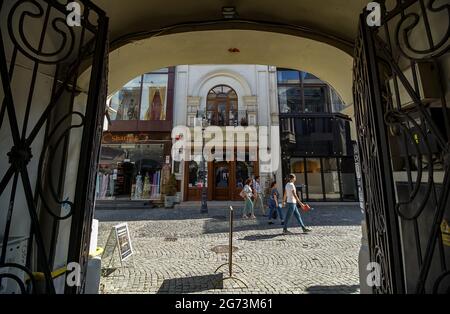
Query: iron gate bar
[
  {"x": 95, "y": 107},
  {"x": 20, "y": 154},
  {"x": 377, "y": 60},
  {"x": 17, "y": 164},
  {"x": 394, "y": 246}
]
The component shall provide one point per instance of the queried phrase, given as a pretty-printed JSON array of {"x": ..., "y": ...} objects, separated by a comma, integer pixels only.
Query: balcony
[
  {"x": 318, "y": 134},
  {"x": 222, "y": 118}
]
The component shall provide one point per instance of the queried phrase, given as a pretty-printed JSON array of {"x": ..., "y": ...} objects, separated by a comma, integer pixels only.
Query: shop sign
[{"x": 131, "y": 138}]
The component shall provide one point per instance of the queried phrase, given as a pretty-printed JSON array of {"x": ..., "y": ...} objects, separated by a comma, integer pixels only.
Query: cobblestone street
[{"x": 174, "y": 252}]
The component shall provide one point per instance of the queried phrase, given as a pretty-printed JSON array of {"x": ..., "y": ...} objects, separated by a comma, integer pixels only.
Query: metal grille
[
  {"x": 403, "y": 134},
  {"x": 51, "y": 129}
]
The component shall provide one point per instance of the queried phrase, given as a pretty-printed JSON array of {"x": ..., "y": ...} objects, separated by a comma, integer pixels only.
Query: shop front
[
  {"x": 225, "y": 179},
  {"x": 133, "y": 166}
]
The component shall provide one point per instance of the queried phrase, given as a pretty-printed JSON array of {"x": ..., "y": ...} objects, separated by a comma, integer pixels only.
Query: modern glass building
[{"x": 315, "y": 138}]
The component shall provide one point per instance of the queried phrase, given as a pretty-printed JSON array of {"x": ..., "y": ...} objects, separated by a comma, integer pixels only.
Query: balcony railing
[
  {"x": 321, "y": 134},
  {"x": 229, "y": 118}
]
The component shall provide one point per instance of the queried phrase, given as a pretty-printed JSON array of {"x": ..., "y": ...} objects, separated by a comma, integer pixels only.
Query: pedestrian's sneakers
[
  {"x": 306, "y": 230},
  {"x": 287, "y": 232},
  {"x": 253, "y": 217},
  {"x": 245, "y": 217}
]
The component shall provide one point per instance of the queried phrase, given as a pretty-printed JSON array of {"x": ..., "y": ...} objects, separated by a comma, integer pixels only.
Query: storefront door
[{"x": 222, "y": 171}]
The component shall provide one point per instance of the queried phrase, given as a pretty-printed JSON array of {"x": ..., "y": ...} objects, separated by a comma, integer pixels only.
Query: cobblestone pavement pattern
[{"x": 173, "y": 252}]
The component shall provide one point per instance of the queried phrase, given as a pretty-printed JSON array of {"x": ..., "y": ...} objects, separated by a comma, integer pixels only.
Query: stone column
[
  {"x": 251, "y": 105},
  {"x": 193, "y": 106}
]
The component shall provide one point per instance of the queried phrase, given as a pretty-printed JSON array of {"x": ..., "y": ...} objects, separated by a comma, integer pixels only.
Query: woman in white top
[
  {"x": 291, "y": 198},
  {"x": 247, "y": 194}
]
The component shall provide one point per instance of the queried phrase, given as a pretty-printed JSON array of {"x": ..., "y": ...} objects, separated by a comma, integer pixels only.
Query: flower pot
[{"x": 169, "y": 201}]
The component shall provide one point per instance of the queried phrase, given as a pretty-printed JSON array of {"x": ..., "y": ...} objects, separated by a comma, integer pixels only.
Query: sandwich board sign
[
  {"x": 124, "y": 241},
  {"x": 119, "y": 238}
]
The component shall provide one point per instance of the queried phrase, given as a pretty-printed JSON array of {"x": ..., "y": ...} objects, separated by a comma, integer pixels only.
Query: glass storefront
[
  {"x": 130, "y": 171},
  {"x": 325, "y": 179}
]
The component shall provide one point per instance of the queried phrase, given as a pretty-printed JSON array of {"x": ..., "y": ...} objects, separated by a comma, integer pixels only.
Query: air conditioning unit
[{"x": 428, "y": 83}]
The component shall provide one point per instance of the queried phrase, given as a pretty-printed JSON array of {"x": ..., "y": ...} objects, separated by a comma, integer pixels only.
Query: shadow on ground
[
  {"x": 340, "y": 289},
  {"x": 191, "y": 284}
]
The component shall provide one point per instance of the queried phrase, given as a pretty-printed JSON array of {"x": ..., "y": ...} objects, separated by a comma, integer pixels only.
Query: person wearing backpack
[
  {"x": 274, "y": 204},
  {"x": 247, "y": 195}
]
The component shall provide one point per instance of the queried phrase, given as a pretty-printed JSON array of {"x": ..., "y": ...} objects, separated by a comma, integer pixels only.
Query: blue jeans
[
  {"x": 292, "y": 209},
  {"x": 272, "y": 207}
]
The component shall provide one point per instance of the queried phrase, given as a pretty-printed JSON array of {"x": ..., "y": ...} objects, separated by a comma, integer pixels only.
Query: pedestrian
[
  {"x": 247, "y": 195},
  {"x": 274, "y": 203},
  {"x": 291, "y": 198},
  {"x": 258, "y": 194}
]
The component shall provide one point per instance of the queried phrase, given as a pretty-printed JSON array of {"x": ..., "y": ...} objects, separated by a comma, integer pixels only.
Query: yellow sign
[{"x": 445, "y": 228}]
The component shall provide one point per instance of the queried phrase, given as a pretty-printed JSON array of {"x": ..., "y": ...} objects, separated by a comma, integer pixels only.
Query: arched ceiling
[
  {"x": 211, "y": 47},
  {"x": 334, "y": 20}
]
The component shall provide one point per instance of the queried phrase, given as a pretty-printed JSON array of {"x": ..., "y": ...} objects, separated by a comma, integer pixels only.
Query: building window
[
  {"x": 290, "y": 99},
  {"x": 143, "y": 98},
  {"x": 124, "y": 105},
  {"x": 154, "y": 97},
  {"x": 222, "y": 106},
  {"x": 315, "y": 100},
  {"x": 302, "y": 92},
  {"x": 288, "y": 77}
]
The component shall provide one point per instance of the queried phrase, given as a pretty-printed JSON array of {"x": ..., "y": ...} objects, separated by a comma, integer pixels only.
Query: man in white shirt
[
  {"x": 259, "y": 197},
  {"x": 291, "y": 198}
]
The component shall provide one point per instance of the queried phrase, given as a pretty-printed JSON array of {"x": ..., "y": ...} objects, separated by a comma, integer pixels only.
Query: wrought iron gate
[
  {"x": 403, "y": 121},
  {"x": 50, "y": 127}
]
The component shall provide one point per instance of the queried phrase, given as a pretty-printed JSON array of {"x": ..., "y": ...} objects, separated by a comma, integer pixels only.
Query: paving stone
[{"x": 324, "y": 261}]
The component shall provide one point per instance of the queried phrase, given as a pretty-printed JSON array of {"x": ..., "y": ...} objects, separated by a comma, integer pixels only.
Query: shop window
[
  {"x": 130, "y": 171},
  {"x": 244, "y": 171},
  {"x": 331, "y": 179},
  {"x": 124, "y": 105},
  {"x": 195, "y": 179},
  {"x": 314, "y": 177},
  {"x": 154, "y": 97},
  {"x": 348, "y": 178}
]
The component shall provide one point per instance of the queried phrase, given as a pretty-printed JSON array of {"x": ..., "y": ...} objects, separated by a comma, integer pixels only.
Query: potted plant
[{"x": 170, "y": 192}]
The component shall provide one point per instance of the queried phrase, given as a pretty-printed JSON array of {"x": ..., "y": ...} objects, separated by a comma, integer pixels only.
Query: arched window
[{"x": 222, "y": 106}]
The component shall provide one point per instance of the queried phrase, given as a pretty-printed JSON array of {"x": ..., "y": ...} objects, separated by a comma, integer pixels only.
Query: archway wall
[{"x": 212, "y": 47}]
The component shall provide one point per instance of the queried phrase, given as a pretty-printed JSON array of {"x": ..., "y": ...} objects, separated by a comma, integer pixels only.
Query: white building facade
[{"x": 227, "y": 95}]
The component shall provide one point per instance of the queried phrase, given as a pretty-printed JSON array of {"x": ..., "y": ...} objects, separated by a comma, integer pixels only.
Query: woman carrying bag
[
  {"x": 291, "y": 198},
  {"x": 247, "y": 195}
]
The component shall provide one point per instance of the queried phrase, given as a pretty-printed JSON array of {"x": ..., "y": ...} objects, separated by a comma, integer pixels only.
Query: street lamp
[{"x": 204, "y": 209}]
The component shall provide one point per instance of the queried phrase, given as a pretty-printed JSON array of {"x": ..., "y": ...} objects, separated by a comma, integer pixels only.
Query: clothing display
[
  {"x": 105, "y": 186},
  {"x": 138, "y": 187}
]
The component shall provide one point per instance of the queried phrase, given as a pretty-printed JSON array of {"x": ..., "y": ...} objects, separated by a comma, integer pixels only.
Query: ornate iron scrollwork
[
  {"x": 388, "y": 82},
  {"x": 36, "y": 39}
]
